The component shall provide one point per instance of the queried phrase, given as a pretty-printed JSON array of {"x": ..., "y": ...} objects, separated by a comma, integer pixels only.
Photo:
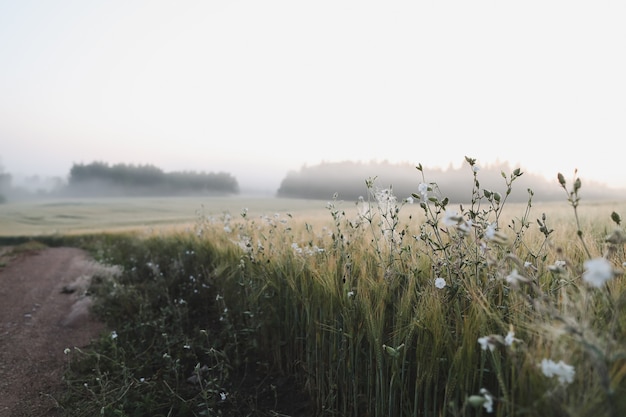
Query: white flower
[
  {"x": 296, "y": 248},
  {"x": 509, "y": 339},
  {"x": 440, "y": 283},
  {"x": 409, "y": 200},
  {"x": 558, "y": 266},
  {"x": 529, "y": 265},
  {"x": 484, "y": 343},
  {"x": 113, "y": 335},
  {"x": 492, "y": 233},
  {"x": 597, "y": 271},
  {"x": 67, "y": 351},
  {"x": 451, "y": 218},
  {"x": 490, "y": 341},
  {"x": 563, "y": 371},
  {"x": 475, "y": 168},
  {"x": 488, "y": 404},
  {"x": 514, "y": 278},
  {"x": 422, "y": 188}
]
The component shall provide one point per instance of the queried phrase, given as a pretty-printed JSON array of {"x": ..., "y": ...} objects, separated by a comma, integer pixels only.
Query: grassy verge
[{"x": 458, "y": 311}]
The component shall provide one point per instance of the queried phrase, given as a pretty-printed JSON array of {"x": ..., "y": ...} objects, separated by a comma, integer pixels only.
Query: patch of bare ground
[{"x": 44, "y": 308}]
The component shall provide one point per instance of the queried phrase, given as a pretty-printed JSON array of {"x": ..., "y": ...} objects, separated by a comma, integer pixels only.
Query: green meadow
[
  {"x": 69, "y": 216},
  {"x": 377, "y": 307}
]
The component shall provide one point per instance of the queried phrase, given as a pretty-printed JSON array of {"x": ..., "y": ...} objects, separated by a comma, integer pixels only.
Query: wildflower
[
  {"x": 312, "y": 250},
  {"x": 558, "y": 266},
  {"x": 509, "y": 339},
  {"x": 296, "y": 248},
  {"x": 113, "y": 335},
  {"x": 529, "y": 265},
  {"x": 485, "y": 399},
  {"x": 422, "y": 188},
  {"x": 490, "y": 341},
  {"x": 440, "y": 283},
  {"x": 597, "y": 271},
  {"x": 393, "y": 352},
  {"x": 223, "y": 396},
  {"x": 384, "y": 195},
  {"x": 492, "y": 233},
  {"x": 451, "y": 218},
  {"x": 488, "y": 404},
  {"x": 350, "y": 294},
  {"x": 409, "y": 200},
  {"x": 67, "y": 351},
  {"x": 483, "y": 247},
  {"x": 514, "y": 278},
  {"x": 564, "y": 372},
  {"x": 475, "y": 168}
]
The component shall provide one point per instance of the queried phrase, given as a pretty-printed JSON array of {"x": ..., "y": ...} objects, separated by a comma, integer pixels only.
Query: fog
[
  {"x": 259, "y": 89},
  {"x": 345, "y": 180}
]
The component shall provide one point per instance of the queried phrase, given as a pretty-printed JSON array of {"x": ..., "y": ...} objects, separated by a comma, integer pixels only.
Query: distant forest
[
  {"x": 348, "y": 178},
  {"x": 5, "y": 184},
  {"x": 320, "y": 182},
  {"x": 99, "y": 179}
]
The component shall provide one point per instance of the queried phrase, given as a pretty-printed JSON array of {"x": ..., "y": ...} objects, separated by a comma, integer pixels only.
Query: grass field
[
  {"x": 74, "y": 216},
  {"x": 234, "y": 306}
]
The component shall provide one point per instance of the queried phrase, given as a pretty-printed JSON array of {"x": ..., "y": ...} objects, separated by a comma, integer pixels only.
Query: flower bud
[
  {"x": 616, "y": 218},
  {"x": 476, "y": 400}
]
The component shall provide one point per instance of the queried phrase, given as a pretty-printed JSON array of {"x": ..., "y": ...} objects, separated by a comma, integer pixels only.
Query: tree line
[
  {"x": 348, "y": 181},
  {"x": 5, "y": 185},
  {"x": 100, "y": 178}
]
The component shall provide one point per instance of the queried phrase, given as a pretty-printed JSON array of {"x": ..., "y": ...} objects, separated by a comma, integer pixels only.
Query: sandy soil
[{"x": 43, "y": 310}]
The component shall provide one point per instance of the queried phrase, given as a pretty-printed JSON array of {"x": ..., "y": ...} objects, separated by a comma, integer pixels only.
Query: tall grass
[{"x": 447, "y": 310}]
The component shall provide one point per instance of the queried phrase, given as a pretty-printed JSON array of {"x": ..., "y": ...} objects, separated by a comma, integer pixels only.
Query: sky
[{"x": 261, "y": 88}]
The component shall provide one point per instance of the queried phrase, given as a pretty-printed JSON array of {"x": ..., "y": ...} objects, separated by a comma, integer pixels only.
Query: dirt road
[{"x": 43, "y": 310}]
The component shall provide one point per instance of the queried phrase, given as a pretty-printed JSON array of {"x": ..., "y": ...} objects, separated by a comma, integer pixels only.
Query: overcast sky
[{"x": 258, "y": 88}]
